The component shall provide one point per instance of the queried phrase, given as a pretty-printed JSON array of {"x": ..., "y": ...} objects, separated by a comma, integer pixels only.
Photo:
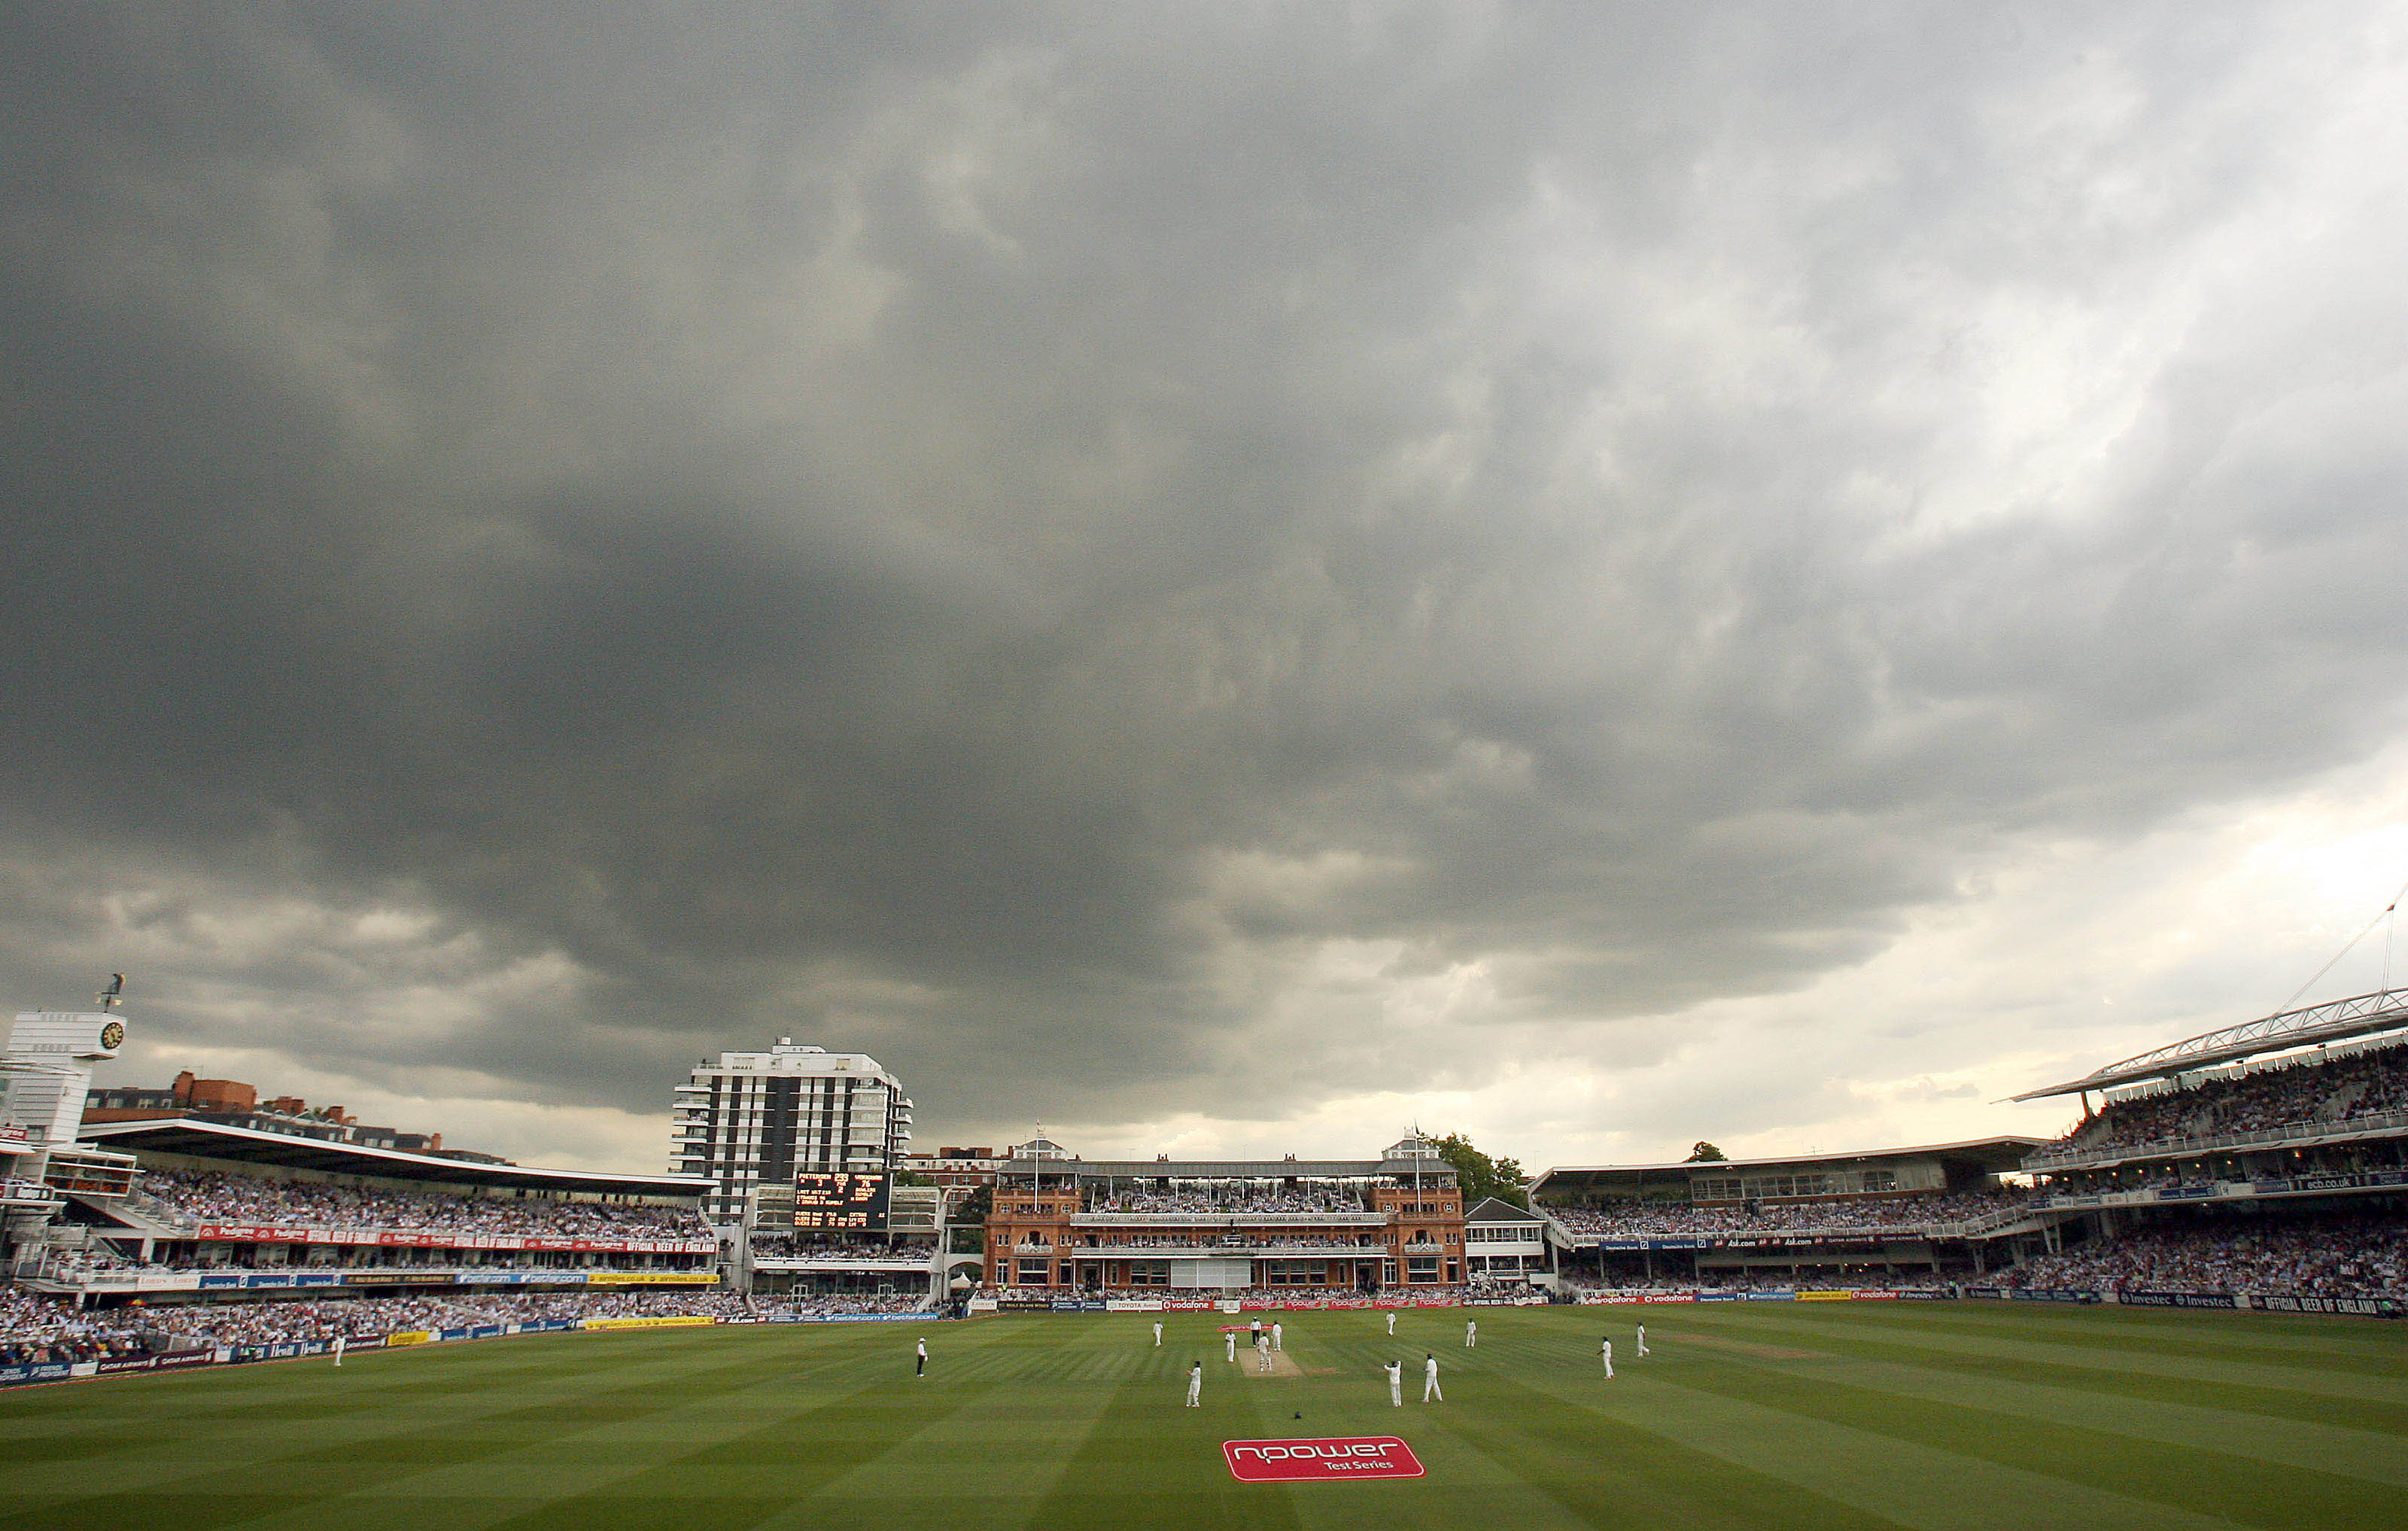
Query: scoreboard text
[{"x": 840, "y": 1201}]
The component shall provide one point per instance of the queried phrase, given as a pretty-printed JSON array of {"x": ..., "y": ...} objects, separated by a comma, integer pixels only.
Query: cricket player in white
[
  {"x": 1392, "y": 1321},
  {"x": 1607, "y": 1351},
  {"x": 1278, "y": 1336},
  {"x": 1471, "y": 1335},
  {"x": 1430, "y": 1378},
  {"x": 1231, "y": 1335},
  {"x": 1262, "y": 1352},
  {"x": 1157, "y": 1334},
  {"x": 338, "y": 1349},
  {"x": 1196, "y": 1384},
  {"x": 1643, "y": 1339},
  {"x": 922, "y": 1368},
  {"x": 1396, "y": 1370}
]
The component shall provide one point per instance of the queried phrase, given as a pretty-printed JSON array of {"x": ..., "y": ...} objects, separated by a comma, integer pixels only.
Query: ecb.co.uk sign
[{"x": 1325, "y": 1457}]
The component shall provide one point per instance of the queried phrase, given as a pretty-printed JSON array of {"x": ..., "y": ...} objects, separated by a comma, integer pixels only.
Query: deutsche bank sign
[{"x": 1323, "y": 1458}]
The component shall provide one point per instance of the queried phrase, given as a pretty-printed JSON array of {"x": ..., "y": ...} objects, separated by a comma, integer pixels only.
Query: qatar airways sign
[{"x": 1327, "y": 1457}]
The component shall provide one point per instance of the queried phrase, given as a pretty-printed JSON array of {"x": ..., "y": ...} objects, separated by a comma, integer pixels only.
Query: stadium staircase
[
  {"x": 2022, "y": 1217},
  {"x": 140, "y": 1213}
]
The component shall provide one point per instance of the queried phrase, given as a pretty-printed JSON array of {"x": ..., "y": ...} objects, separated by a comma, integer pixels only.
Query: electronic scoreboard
[{"x": 840, "y": 1201}]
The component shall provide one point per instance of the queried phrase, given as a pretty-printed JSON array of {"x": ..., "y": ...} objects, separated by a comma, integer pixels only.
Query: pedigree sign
[{"x": 1321, "y": 1458}]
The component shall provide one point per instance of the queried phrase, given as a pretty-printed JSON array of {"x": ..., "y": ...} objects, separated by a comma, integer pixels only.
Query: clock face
[{"x": 112, "y": 1034}]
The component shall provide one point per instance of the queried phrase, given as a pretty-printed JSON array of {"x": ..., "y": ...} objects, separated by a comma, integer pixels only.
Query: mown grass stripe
[
  {"x": 340, "y": 1407},
  {"x": 2385, "y": 1386},
  {"x": 1603, "y": 1471},
  {"x": 1074, "y": 1423},
  {"x": 2367, "y": 1345},
  {"x": 2199, "y": 1480},
  {"x": 2353, "y": 1428},
  {"x": 1706, "y": 1404},
  {"x": 1137, "y": 1466}
]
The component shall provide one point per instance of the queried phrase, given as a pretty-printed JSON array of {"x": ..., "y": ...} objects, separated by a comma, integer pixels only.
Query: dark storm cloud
[{"x": 999, "y": 537}]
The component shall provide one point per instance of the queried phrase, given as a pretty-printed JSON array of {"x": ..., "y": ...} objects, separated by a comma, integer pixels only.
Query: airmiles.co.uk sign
[{"x": 1324, "y": 1457}]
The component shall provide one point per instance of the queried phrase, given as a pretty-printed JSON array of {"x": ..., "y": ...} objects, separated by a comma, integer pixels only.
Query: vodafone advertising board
[{"x": 1320, "y": 1458}]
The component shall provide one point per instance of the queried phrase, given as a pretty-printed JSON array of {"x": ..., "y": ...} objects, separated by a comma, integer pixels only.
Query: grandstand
[
  {"x": 1061, "y": 1226},
  {"x": 223, "y": 1213},
  {"x": 2264, "y": 1162},
  {"x": 195, "y": 1227},
  {"x": 889, "y": 1247},
  {"x": 1884, "y": 1216},
  {"x": 2268, "y": 1158}
]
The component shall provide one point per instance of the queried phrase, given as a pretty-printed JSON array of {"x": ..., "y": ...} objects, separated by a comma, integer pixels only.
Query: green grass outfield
[{"x": 1937, "y": 1415}]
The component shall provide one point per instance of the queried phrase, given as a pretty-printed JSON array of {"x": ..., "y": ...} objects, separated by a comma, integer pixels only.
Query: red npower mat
[{"x": 1320, "y": 1457}]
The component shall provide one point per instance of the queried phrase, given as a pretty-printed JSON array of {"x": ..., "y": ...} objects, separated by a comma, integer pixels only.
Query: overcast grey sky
[{"x": 1225, "y": 577}]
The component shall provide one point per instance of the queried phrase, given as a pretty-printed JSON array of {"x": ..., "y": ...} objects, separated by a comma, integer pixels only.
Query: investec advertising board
[{"x": 1320, "y": 1459}]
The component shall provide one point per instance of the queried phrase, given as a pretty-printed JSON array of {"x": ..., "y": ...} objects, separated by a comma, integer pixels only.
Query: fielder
[
  {"x": 1607, "y": 1351},
  {"x": 1429, "y": 1377},
  {"x": 1196, "y": 1384},
  {"x": 922, "y": 1368},
  {"x": 338, "y": 1349},
  {"x": 1471, "y": 1333},
  {"x": 1643, "y": 1339},
  {"x": 1157, "y": 1334},
  {"x": 1278, "y": 1336},
  {"x": 1396, "y": 1370},
  {"x": 1262, "y": 1352},
  {"x": 1392, "y": 1322},
  {"x": 1231, "y": 1335}
]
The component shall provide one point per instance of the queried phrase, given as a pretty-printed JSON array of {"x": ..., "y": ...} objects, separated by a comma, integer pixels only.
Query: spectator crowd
[
  {"x": 1233, "y": 1202},
  {"x": 1645, "y": 1219},
  {"x": 36, "y": 1328},
  {"x": 2339, "y": 1255},
  {"x": 1207, "y": 1242},
  {"x": 2286, "y": 1094},
  {"x": 784, "y": 1245},
  {"x": 1766, "y": 1280},
  {"x": 208, "y": 1196}
]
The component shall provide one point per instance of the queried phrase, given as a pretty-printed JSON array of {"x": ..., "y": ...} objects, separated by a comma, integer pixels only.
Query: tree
[
  {"x": 968, "y": 1222},
  {"x": 1704, "y": 1153},
  {"x": 1480, "y": 1176}
]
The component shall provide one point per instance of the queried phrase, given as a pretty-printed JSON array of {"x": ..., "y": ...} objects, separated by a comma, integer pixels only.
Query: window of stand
[
  {"x": 1756, "y": 1186},
  {"x": 1296, "y": 1273}
]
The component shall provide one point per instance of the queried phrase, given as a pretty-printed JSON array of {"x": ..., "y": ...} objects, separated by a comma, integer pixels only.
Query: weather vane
[{"x": 114, "y": 995}]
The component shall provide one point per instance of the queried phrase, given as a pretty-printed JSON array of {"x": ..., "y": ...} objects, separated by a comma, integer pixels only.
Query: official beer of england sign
[{"x": 1320, "y": 1458}]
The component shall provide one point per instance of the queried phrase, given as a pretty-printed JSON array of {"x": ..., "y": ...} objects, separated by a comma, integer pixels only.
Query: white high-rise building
[{"x": 768, "y": 1117}]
